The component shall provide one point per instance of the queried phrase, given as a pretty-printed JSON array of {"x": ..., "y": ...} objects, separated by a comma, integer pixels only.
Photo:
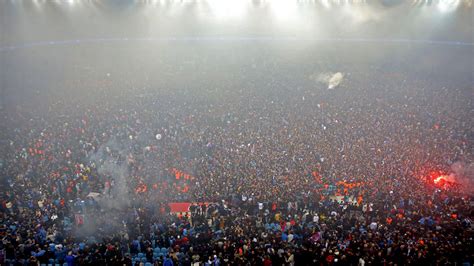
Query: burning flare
[{"x": 440, "y": 178}]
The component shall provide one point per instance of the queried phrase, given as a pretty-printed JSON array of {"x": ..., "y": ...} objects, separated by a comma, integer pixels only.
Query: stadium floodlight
[
  {"x": 447, "y": 5},
  {"x": 227, "y": 9},
  {"x": 284, "y": 10},
  {"x": 326, "y": 3}
]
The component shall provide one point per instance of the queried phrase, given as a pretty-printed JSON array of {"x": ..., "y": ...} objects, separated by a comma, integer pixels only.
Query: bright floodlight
[
  {"x": 227, "y": 9},
  {"x": 284, "y": 9},
  {"x": 326, "y": 3},
  {"x": 447, "y": 5}
]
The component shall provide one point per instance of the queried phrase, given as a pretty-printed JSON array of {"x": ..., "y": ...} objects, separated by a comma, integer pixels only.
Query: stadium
[{"x": 226, "y": 132}]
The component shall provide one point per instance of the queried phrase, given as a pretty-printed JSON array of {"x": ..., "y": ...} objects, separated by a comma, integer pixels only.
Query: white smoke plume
[
  {"x": 111, "y": 159},
  {"x": 463, "y": 174},
  {"x": 332, "y": 80}
]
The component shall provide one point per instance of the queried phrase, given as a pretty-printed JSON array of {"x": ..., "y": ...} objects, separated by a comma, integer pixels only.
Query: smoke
[
  {"x": 332, "y": 80},
  {"x": 335, "y": 80},
  {"x": 463, "y": 174},
  {"x": 111, "y": 160}
]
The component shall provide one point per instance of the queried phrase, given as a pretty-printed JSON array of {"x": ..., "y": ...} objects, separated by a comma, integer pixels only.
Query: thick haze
[
  {"x": 153, "y": 42},
  {"x": 37, "y": 20}
]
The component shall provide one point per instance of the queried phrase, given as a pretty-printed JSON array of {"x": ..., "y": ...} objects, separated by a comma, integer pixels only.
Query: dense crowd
[{"x": 303, "y": 177}]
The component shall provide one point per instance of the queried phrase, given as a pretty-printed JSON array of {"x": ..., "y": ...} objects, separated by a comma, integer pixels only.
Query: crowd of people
[{"x": 301, "y": 177}]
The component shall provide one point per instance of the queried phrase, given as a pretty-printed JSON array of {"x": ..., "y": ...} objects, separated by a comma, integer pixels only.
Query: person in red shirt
[{"x": 267, "y": 261}]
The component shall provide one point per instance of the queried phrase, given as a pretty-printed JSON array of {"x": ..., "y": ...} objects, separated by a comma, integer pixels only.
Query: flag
[{"x": 79, "y": 218}]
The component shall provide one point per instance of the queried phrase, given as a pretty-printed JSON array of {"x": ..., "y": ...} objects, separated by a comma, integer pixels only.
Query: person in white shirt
[
  {"x": 373, "y": 226},
  {"x": 315, "y": 218}
]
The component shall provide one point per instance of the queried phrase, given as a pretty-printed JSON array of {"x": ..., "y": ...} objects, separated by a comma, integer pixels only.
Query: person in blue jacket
[
  {"x": 168, "y": 261},
  {"x": 70, "y": 259}
]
